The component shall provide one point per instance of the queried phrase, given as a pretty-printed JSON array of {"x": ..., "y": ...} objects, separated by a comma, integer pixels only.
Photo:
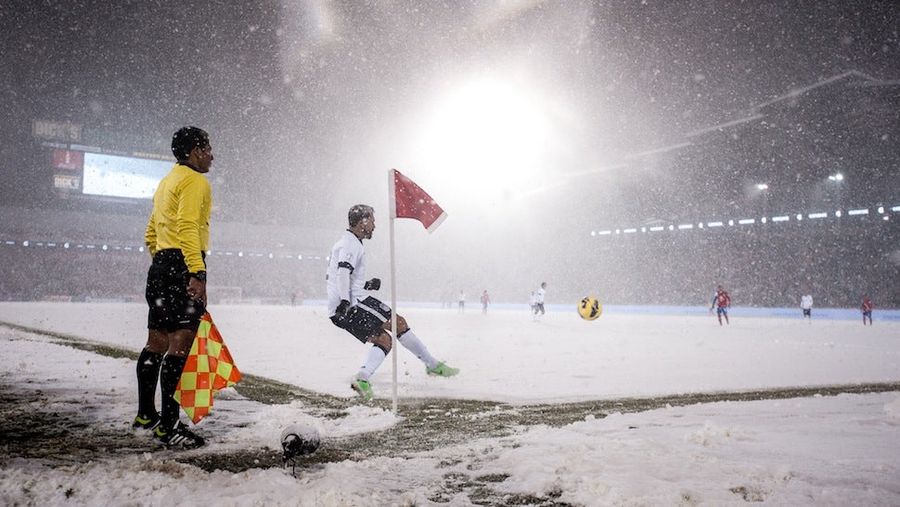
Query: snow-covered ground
[{"x": 821, "y": 450}]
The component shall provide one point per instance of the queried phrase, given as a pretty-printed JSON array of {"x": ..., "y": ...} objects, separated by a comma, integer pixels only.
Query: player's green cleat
[
  {"x": 442, "y": 370},
  {"x": 363, "y": 389},
  {"x": 145, "y": 422}
]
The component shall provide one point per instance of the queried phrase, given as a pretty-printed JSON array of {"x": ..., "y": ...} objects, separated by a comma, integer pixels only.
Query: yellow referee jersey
[{"x": 180, "y": 216}]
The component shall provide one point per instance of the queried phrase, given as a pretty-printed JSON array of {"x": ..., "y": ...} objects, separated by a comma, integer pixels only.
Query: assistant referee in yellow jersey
[{"x": 177, "y": 237}]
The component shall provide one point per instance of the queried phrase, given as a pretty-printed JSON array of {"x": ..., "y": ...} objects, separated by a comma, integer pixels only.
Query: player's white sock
[
  {"x": 374, "y": 358},
  {"x": 415, "y": 345}
]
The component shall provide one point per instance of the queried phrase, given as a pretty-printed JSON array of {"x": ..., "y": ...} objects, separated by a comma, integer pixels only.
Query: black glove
[
  {"x": 340, "y": 313},
  {"x": 373, "y": 284}
]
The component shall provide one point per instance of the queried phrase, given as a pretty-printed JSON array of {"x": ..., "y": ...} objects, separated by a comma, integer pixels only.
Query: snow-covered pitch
[{"x": 823, "y": 449}]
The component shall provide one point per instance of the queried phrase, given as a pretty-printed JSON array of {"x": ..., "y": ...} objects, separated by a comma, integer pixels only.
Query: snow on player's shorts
[{"x": 364, "y": 319}]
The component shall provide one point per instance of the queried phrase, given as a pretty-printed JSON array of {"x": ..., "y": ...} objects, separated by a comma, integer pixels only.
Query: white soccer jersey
[
  {"x": 806, "y": 302},
  {"x": 539, "y": 296},
  {"x": 348, "y": 259}
]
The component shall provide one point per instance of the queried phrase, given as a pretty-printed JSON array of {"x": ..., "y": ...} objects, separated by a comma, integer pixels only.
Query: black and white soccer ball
[{"x": 299, "y": 440}]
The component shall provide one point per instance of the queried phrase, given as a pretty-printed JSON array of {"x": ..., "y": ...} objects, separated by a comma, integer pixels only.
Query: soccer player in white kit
[
  {"x": 365, "y": 317},
  {"x": 539, "y": 300},
  {"x": 806, "y": 304}
]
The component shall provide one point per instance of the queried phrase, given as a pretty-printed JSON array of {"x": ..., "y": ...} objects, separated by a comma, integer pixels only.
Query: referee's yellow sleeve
[
  {"x": 150, "y": 236},
  {"x": 190, "y": 220}
]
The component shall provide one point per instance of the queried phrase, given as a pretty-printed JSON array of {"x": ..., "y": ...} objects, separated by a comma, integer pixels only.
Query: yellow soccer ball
[{"x": 589, "y": 308}]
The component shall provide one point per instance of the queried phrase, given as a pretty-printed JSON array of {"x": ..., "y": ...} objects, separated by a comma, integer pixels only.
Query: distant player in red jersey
[
  {"x": 867, "y": 309},
  {"x": 485, "y": 301},
  {"x": 721, "y": 302}
]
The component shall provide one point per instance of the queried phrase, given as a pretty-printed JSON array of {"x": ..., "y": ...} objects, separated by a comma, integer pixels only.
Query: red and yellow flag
[{"x": 209, "y": 368}]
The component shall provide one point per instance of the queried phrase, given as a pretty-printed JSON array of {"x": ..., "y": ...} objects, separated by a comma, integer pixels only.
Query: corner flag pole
[
  {"x": 411, "y": 202},
  {"x": 394, "y": 348}
]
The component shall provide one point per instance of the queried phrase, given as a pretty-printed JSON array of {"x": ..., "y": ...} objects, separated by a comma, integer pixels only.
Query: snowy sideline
[
  {"x": 505, "y": 356},
  {"x": 820, "y": 450}
]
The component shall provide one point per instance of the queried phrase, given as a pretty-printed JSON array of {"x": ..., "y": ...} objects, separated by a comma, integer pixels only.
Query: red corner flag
[{"x": 410, "y": 201}]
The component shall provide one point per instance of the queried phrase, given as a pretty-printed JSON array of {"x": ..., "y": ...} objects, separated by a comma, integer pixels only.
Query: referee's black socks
[
  {"x": 170, "y": 373},
  {"x": 148, "y": 364}
]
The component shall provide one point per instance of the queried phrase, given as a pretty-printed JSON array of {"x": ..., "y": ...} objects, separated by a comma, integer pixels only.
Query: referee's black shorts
[{"x": 171, "y": 309}]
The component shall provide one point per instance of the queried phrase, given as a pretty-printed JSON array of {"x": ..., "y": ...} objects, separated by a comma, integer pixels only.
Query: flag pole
[{"x": 394, "y": 349}]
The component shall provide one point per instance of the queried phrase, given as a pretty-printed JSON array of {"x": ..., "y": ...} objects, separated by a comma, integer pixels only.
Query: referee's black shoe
[{"x": 179, "y": 436}]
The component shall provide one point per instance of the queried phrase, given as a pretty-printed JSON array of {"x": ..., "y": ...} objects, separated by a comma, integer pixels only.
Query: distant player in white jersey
[
  {"x": 806, "y": 304},
  {"x": 539, "y": 300},
  {"x": 365, "y": 317}
]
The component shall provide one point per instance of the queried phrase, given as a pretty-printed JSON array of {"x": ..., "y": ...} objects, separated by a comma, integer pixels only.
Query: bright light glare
[
  {"x": 762, "y": 186},
  {"x": 489, "y": 131}
]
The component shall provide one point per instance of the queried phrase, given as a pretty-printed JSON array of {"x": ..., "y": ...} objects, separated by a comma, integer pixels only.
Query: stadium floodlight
[
  {"x": 629, "y": 231},
  {"x": 886, "y": 217},
  {"x": 141, "y": 249},
  {"x": 25, "y": 243},
  {"x": 618, "y": 231},
  {"x": 782, "y": 218},
  {"x": 747, "y": 221},
  {"x": 10, "y": 242},
  {"x": 763, "y": 219},
  {"x": 895, "y": 208},
  {"x": 818, "y": 215},
  {"x": 593, "y": 233},
  {"x": 657, "y": 228},
  {"x": 838, "y": 213},
  {"x": 240, "y": 254},
  {"x": 715, "y": 224},
  {"x": 881, "y": 210},
  {"x": 604, "y": 233},
  {"x": 731, "y": 222},
  {"x": 762, "y": 186},
  {"x": 272, "y": 256},
  {"x": 299, "y": 257},
  {"x": 700, "y": 225},
  {"x": 643, "y": 229},
  {"x": 836, "y": 177},
  {"x": 90, "y": 247},
  {"x": 671, "y": 227},
  {"x": 682, "y": 227},
  {"x": 51, "y": 244},
  {"x": 855, "y": 212},
  {"x": 799, "y": 216},
  {"x": 104, "y": 248}
]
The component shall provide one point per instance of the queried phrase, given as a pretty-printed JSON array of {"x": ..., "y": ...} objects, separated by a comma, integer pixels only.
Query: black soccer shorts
[
  {"x": 171, "y": 309},
  {"x": 364, "y": 319}
]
